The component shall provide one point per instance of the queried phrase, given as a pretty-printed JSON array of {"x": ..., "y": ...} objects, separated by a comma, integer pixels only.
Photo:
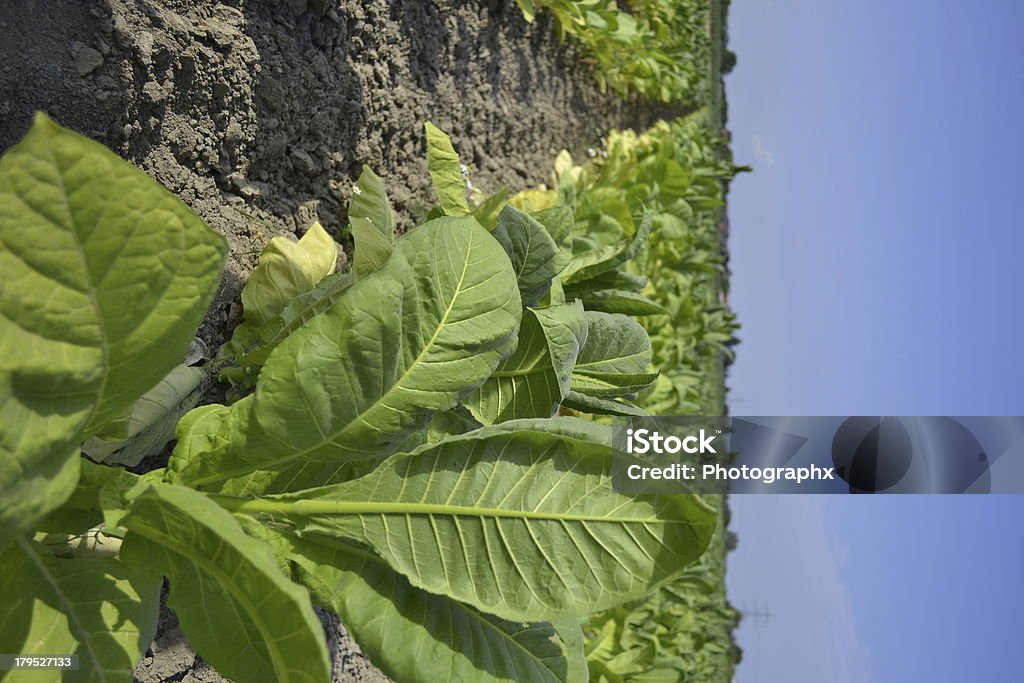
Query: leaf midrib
[
  {"x": 310, "y": 508},
  {"x": 90, "y": 285}
]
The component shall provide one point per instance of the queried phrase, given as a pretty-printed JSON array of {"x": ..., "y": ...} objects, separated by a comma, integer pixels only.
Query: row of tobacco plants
[
  {"x": 678, "y": 173},
  {"x": 659, "y": 49},
  {"x": 418, "y": 443}
]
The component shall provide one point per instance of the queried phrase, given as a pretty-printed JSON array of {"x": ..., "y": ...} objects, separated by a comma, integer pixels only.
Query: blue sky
[
  {"x": 875, "y": 270},
  {"x": 875, "y": 249}
]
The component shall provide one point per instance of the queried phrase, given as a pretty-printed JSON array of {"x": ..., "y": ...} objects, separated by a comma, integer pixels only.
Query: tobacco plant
[{"x": 395, "y": 460}]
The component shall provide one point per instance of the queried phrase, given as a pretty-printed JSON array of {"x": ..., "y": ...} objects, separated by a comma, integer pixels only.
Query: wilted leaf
[{"x": 151, "y": 420}]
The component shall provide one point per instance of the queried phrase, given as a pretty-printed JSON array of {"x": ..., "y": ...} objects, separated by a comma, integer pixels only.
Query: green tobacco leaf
[
  {"x": 410, "y": 340},
  {"x": 615, "y": 359},
  {"x": 528, "y": 9},
  {"x": 285, "y": 270},
  {"x": 446, "y": 171},
  {"x": 100, "y": 610},
  {"x": 534, "y": 380},
  {"x": 534, "y": 255},
  {"x": 518, "y": 520},
  {"x": 419, "y": 637},
  {"x": 559, "y": 221},
  {"x": 372, "y": 222},
  {"x": 612, "y": 279},
  {"x": 488, "y": 210},
  {"x": 203, "y": 432},
  {"x": 622, "y": 301},
  {"x": 252, "y": 344},
  {"x": 151, "y": 420},
  {"x": 450, "y": 423},
  {"x": 105, "y": 277},
  {"x": 602, "y": 259},
  {"x": 601, "y": 406},
  {"x": 237, "y": 608},
  {"x": 611, "y": 384},
  {"x": 107, "y": 490},
  {"x": 555, "y": 295},
  {"x": 570, "y": 631}
]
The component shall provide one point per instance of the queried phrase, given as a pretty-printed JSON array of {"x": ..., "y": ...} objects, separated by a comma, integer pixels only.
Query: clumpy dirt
[
  {"x": 259, "y": 115},
  {"x": 170, "y": 658}
]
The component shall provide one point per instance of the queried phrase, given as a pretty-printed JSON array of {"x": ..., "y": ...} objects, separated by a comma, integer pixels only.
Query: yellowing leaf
[
  {"x": 534, "y": 200},
  {"x": 285, "y": 270}
]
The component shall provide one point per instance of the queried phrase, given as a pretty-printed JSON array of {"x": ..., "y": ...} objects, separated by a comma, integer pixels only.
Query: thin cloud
[
  {"x": 788, "y": 565},
  {"x": 762, "y": 152}
]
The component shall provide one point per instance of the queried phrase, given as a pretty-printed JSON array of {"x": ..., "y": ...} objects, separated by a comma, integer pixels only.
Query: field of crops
[{"x": 405, "y": 422}]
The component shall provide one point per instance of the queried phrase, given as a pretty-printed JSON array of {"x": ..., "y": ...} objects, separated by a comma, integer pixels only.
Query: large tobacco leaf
[
  {"x": 100, "y": 610},
  {"x": 518, "y": 520},
  {"x": 82, "y": 336},
  {"x": 241, "y": 612},
  {"x": 533, "y": 381},
  {"x": 421, "y": 637},
  {"x": 409, "y": 340}
]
